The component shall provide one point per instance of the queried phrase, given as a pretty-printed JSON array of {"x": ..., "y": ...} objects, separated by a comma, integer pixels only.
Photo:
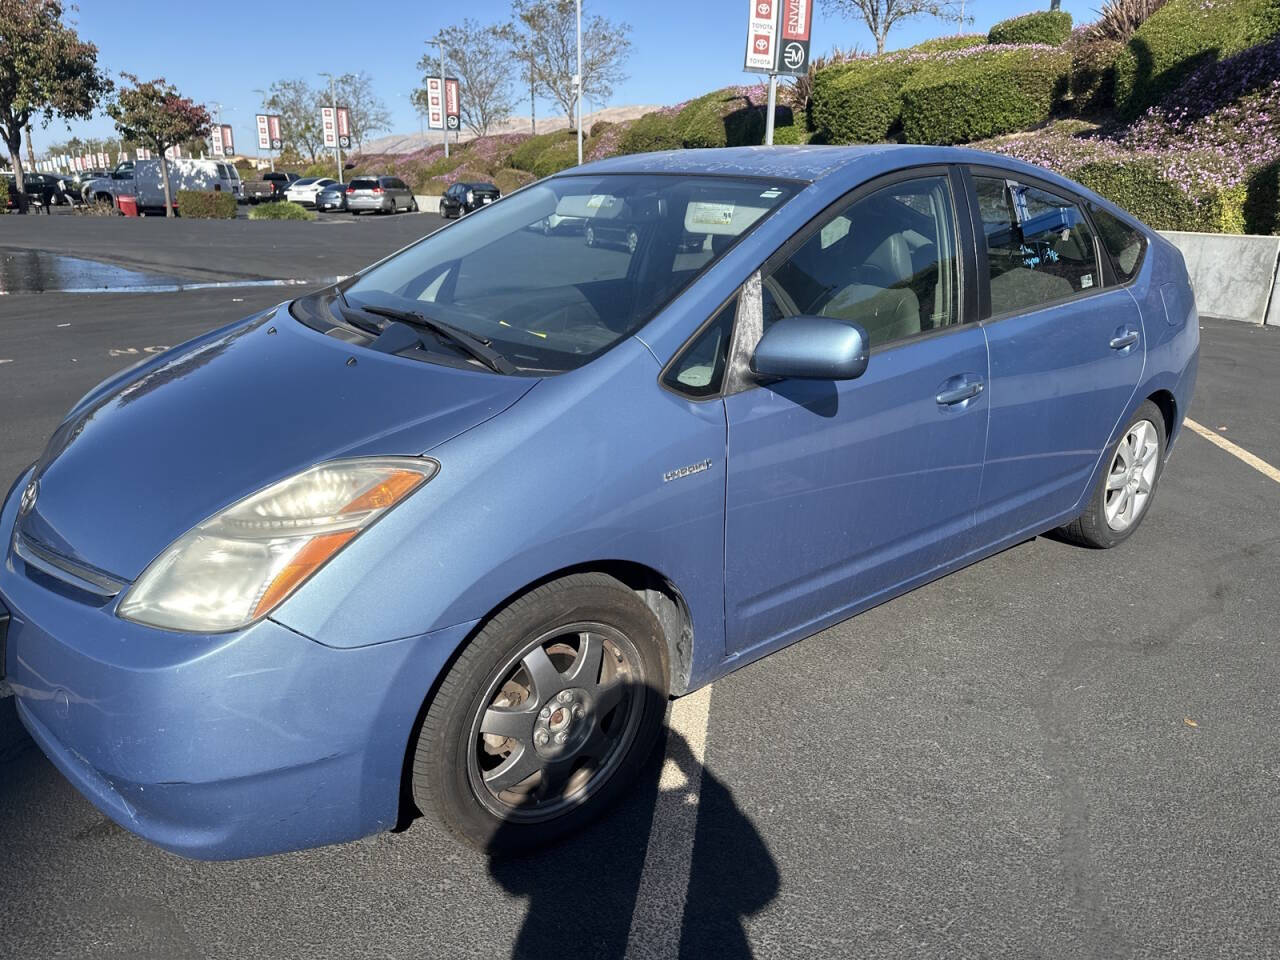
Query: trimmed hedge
[
  {"x": 860, "y": 101},
  {"x": 1139, "y": 185},
  {"x": 528, "y": 154},
  {"x": 509, "y": 179},
  {"x": 1182, "y": 36},
  {"x": 1093, "y": 74},
  {"x": 281, "y": 210},
  {"x": 557, "y": 157},
  {"x": 722, "y": 118},
  {"x": 963, "y": 41},
  {"x": 984, "y": 95},
  {"x": 1051, "y": 27},
  {"x": 1262, "y": 201},
  {"x": 791, "y": 134},
  {"x": 206, "y": 204},
  {"x": 653, "y": 131}
]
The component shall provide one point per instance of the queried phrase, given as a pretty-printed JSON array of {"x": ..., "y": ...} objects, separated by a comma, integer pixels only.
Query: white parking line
[
  {"x": 1240, "y": 453},
  {"x": 664, "y": 881}
]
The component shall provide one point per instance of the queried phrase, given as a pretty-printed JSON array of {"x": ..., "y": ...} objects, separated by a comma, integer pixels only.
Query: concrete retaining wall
[
  {"x": 1234, "y": 275},
  {"x": 428, "y": 203}
]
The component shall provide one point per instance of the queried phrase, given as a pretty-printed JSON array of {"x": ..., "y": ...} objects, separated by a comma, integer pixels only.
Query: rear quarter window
[{"x": 1124, "y": 243}]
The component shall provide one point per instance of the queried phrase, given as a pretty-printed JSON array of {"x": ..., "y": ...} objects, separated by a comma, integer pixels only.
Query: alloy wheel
[
  {"x": 1132, "y": 476},
  {"x": 555, "y": 722}
]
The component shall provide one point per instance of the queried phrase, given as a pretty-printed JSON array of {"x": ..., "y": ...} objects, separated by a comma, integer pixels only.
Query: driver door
[{"x": 840, "y": 494}]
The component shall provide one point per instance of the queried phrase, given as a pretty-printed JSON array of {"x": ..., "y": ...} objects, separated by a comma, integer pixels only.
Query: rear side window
[
  {"x": 1126, "y": 244},
  {"x": 699, "y": 371},
  {"x": 1039, "y": 247}
]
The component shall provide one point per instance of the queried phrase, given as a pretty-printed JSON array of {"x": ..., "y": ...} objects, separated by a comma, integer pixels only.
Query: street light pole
[
  {"x": 578, "y": 84},
  {"x": 773, "y": 103}
]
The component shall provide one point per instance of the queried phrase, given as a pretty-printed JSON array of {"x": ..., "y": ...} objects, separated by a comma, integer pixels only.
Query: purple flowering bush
[{"x": 1192, "y": 161}]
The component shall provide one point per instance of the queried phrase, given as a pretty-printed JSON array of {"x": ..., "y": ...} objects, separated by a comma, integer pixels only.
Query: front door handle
[
  {"x": 1124, "y": 338},
  {"x": 959, "y": 389}
]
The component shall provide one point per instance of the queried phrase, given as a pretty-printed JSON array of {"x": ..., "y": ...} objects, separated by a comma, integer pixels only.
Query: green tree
[
  {"x": 366, "y": 110},
  {"x": 46, "y": 70},
  {"x": 298, "y": 105},
  {"x": 547, "y": 37},
  {"x": 478, "y": 56},
  {"x": 881, "y": 15},
  {"x": 152, "y": 113}
]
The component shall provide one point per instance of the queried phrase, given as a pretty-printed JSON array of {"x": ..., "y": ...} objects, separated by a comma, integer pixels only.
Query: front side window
[
  {"x": 1039, "y": 246},
  {"x": 551, "y": 300},
  {"x": 888, "y": 261}
]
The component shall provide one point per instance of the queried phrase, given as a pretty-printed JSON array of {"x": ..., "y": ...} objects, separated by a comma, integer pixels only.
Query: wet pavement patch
[{"x": 39, "y": 271}]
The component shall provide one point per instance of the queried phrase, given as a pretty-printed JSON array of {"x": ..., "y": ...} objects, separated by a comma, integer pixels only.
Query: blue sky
[{"x": 682, "y": 48}]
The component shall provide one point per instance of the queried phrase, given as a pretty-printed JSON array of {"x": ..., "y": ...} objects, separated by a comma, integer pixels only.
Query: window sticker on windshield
[
  {"x": 1086, "y": 281},
  {"x": 706, "y": 214}
]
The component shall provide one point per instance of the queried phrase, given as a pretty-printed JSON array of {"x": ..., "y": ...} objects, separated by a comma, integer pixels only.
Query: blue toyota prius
[{"x": 448, "y": 534}]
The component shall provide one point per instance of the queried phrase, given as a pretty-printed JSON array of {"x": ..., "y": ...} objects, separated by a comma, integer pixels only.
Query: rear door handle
[
  {"x": 1124, "y": 338},
  {"x": 959, "y": 389}
]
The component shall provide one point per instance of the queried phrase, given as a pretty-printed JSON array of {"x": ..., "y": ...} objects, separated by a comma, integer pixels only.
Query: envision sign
[{"x": 778, "y": 36}]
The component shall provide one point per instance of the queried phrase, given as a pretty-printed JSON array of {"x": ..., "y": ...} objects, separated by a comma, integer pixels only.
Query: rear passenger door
[{"x": 1067, "y": 352}]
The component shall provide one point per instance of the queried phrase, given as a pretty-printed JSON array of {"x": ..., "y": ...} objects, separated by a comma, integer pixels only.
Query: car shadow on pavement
[{"x": 619, "y": 881}]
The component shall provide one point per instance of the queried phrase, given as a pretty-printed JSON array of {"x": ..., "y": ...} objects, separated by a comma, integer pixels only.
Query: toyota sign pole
[{"x": 778, "y": 43}]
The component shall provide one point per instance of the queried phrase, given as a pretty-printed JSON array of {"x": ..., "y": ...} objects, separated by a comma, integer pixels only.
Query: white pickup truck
[{"x": 143, "y": 181}]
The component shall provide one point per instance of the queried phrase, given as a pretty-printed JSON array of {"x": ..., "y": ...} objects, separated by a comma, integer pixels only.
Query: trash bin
[{"x": 128, "y": 206}]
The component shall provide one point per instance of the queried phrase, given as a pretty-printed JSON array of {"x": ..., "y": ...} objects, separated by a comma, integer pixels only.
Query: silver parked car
[{"x": 380, "y": 194}]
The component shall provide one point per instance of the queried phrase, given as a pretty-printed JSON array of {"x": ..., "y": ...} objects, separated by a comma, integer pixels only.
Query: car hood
[{"x": 148, "y": 455}]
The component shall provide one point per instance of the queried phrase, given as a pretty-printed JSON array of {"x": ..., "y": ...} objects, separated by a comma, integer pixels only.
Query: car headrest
[{"x": 893, "y": 257}]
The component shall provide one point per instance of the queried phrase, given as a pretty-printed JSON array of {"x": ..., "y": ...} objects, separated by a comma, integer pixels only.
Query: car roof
[{"x": 805, "y": 163}]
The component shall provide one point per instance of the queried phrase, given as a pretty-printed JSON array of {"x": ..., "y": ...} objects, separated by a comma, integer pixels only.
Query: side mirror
[{"x": 812, "y": 348}]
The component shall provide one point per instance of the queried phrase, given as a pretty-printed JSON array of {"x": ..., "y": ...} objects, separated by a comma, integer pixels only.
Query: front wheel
[
  {"x": 1123, "y": 493},
  {"x": 591, "y": 237},
  {"x": 546, "y": 715}
]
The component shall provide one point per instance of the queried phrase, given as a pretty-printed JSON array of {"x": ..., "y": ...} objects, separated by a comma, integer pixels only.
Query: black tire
[
  {"x": 413, "y": 205},
  {"x": 1091, "y": 528},
  {"x": 590, "y": 237},
  {"x": 447, "y": 781}
]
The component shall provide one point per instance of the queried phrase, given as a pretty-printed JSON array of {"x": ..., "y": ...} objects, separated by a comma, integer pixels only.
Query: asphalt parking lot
[{"x": 1053, "y": 753}]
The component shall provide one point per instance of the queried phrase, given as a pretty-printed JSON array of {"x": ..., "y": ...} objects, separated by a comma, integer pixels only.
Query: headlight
[{"x": 240, "y": 564}]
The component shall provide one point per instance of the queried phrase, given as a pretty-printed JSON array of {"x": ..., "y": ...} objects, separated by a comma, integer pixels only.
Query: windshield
[{"x": 557, "y": 273}]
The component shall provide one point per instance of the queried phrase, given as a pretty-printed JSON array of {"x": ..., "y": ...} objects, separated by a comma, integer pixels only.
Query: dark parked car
[
  {"x": 463, "y": 198},
  {"x": 43, "y": 191},
  {"x": 618, "y": 224},
  {"x": 332, "y": 197},
  {"x": 269, "y": 186}
]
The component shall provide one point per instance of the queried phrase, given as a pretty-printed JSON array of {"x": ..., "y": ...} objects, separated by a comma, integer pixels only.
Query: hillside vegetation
[{"x": 1171, "y": 109}]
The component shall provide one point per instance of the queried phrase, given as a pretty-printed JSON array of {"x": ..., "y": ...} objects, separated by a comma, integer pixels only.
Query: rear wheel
[
  {"x": 547, "y": 714},
  {"x": 413, "y": 205},
  {"x": 633, "y": 241},
  {"x": 591, "y": 237},
  {"x": 1124, "y": 491}
]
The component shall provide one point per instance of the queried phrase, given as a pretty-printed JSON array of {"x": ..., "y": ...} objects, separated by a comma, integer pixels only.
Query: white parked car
[
  {"x": 143, "y": 180},
  {"x": 306, "y": 190}
]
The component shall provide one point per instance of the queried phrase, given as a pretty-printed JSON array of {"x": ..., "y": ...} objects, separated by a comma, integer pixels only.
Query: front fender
[{"x": 572, "y": 474}]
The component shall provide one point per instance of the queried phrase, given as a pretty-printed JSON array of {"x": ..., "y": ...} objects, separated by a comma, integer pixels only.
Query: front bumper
[{"x": 215, "y": 747}]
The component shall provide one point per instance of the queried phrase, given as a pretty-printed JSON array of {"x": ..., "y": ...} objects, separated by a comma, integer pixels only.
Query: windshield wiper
[{"x": 473, "y": 345}]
